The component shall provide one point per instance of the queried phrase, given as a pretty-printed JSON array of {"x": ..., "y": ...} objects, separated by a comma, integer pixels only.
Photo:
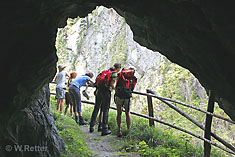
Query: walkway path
[{"x": 103, "y": 146}]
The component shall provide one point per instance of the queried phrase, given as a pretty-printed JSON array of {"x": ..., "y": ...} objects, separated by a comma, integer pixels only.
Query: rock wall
[
  {"x": 198, "y": 35},
  {"x": 31, "y": 131}
]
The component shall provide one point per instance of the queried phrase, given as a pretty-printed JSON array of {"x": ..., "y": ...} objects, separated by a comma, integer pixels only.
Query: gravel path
[{"x": 103, "y": 146}]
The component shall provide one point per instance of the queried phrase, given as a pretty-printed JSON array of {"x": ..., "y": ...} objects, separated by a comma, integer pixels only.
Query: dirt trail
[{"x": 103, "y": 146}]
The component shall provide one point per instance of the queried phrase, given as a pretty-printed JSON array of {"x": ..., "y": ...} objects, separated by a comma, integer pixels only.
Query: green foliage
[
  {"x": 61, "y": 45},
  {"x": 70, "y": 132},
  {"x": 153, "y": 141}
]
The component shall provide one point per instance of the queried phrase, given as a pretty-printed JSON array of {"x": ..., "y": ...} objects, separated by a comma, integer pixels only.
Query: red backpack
[
  {"x": 105, "y": 78},
  {"x": 126, "y": 82}
]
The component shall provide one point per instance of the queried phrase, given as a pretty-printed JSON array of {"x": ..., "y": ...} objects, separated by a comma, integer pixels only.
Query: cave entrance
[{"x": 96, "y": 42}]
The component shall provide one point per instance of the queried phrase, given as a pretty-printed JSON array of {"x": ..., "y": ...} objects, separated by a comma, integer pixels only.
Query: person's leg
[
  {"x": 58, "y": 104},
  {"x": 100, "y": 121},
  {"x": 66, "y": 109},
  {"x": 119, "y": 104},
  {"x": 77, "y": 95},
  {"x": 100, "y": 116},
  {"x": 74, "y": 103},
  {"x": 62, "y": 105},
  {"x": 67, "y": 103},
  {"x": 58, "y": 99},
  {"x": 106, "y": 97},
  {"x": 119, "y": 119},
  {"x": 96, "y": 109},
  {"x": 128, "y": 117},
  {"x": 71, "y": 110}
]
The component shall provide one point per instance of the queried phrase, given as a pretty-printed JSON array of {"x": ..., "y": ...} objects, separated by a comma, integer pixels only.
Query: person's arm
[
  {"x": 89, "y": 82},
  {"x": 66, "y": 74},
  {"x": 55, "y": 80},
  {"x": 113, "y": 84}
]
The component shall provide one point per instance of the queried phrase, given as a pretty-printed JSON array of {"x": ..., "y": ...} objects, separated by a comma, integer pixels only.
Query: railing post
[
  {"x": 150, "y": 108},
  {"x": 207, "y": 134}
]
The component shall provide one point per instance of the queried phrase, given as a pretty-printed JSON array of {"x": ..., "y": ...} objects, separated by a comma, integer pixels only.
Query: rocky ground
[{"x": 103, "y": 146}]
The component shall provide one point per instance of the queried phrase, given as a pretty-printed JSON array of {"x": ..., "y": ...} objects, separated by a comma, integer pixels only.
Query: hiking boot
[
  {"x": 100, "y": 127},
  {"x": 91, "y": 129},
  {"x": 106, "y": 132},
  {"x": 119, "y": 133},
  {"x": 76, "y": 119},
  {"x": 82, "y": 121}
]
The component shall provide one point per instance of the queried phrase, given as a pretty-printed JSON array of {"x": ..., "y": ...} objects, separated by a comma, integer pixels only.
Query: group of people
[
  {"x": 71, "y": 94},
  {"x": 115, "y": 78}
]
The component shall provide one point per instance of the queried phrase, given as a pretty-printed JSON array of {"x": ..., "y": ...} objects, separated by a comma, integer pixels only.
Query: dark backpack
[
  {"x": 104, "y": 78},
  {"x": 126, "y": 82}
]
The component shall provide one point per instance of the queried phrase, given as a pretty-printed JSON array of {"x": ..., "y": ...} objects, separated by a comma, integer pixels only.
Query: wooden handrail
[
  {"x": 195, "y": 122},
  {"x": 184, "y": 104}
]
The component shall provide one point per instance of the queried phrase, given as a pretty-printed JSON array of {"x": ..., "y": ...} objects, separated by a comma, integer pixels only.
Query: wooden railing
[{"x": 207, "y": 129}]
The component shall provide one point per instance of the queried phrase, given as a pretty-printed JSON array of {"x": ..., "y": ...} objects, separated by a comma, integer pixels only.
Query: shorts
[
  {"x": 60, "y": 93},
  {"x": 123, "y": 102}
]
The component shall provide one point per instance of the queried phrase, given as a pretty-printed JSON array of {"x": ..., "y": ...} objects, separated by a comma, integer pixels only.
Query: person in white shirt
[{"x": 60, "y": 80}]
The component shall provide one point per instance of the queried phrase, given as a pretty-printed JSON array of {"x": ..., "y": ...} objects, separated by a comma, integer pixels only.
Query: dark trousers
[
  {"x": 102, "y": 101},
  {"x": 75, "y": 96}
]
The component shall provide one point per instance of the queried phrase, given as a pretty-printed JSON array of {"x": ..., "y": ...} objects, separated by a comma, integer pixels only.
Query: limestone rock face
[
  {"x": 199, "y": 35},
  {"x": 96, "y": 42}
]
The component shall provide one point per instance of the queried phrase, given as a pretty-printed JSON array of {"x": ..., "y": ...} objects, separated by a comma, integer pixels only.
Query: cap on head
[{"x": 61, "y": 67}]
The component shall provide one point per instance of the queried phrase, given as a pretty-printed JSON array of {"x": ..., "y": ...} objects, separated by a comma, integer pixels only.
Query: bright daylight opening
[{"x": 94, "y": 43}]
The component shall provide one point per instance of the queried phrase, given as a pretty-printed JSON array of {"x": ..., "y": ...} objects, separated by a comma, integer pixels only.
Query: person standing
[
  {"x": 60, "y": 80},
  {"x": 68, "y": 102},
  {"x": 75, "y": 95},
  {"x": 125, "y": 85},
  {"x": 105, "y": 82}
]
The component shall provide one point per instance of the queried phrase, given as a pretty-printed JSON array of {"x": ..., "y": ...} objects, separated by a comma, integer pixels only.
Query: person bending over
[{"x": 75, "y": 95}]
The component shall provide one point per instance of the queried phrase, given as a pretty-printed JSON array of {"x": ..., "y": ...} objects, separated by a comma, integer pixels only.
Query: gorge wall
[
  {"x": 93, "y": 43},
  {"x": 96, "y": 42},
  {"x": 198, "y": 35}
]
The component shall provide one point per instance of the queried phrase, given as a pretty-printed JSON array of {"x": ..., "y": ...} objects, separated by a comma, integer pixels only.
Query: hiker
[
  {"x": 75, "y": 95},
  {"x": 105, "y": 82},
  {"x": 73, "y": 75},
  {"x": 125, "y": 85},
  {"x": 60, "y": 80}
]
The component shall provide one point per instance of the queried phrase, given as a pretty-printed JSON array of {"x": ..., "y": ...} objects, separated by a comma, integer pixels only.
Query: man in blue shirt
[{"x": 74, "y": 93}]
